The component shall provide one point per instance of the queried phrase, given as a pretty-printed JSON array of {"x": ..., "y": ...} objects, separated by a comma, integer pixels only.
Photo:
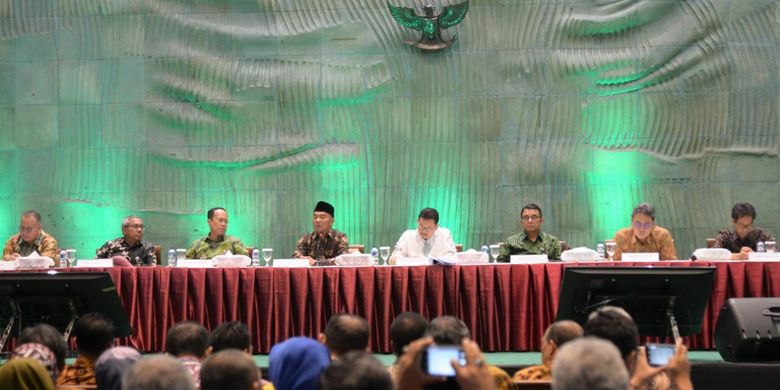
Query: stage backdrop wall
[{"x": 167, "y": 108}]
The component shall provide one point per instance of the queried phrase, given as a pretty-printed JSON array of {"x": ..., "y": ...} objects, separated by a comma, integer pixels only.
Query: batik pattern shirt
[
  {"x": 141, "y": 253},
  {"x": 659, "y": 240},
  {"x": 81, "y": 372},
  {"x": 206, "y": 248},
  {"x": 322, "y": 247},
  {"x": 192, "y": 364},
  {"x": 44, "y": 244},
  {"x": 520, "y": 244},
  {"x": 732, "y": 242}
]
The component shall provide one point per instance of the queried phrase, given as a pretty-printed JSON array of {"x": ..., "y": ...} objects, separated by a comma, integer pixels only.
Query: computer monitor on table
[{"x": 663, "y": 301}]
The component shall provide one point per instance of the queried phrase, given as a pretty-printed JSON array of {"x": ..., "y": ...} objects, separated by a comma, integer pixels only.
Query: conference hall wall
[{"x": 167, "y": 108}]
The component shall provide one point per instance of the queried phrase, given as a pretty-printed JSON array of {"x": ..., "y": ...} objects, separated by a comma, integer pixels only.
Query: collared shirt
[
  {"x": 44, "y": 244},
  {"x": 206, "y": 248},
  {"x": 81, "y": 372},
  {"x": 192, "y": 364},
  {"x": 659, "y": 240},
  {"x": 142, "y": 253},
  {"x": 411, "y": 244},
  {"x": 534, "y": 373},
  {"x": 520, "y": 244},
  {"x": 321, "y": 247},
  {"x": 732, "y": 242}
]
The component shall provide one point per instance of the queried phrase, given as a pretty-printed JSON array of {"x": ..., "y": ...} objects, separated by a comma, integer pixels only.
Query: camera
[
  {"x": 659, "y": 354},
  {"x": 436, "y": 359}
]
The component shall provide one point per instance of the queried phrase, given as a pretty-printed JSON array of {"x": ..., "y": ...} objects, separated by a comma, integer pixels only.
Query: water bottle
[
  {"x": 760, "y": 247},
  {"x": 600, "y": 250},
  {"x": 255, "y": 257},
  {"x": 63, "y": 259},
  {"x": 171, "y": 257},
  {"x": 486, "y": 250},
  {"x": 374, "y": 254}
]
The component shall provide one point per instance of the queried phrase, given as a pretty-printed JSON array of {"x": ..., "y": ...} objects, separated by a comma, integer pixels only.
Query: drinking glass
[
  {"x": 384, "y": 251},
  {"x": 770, "y": 246},
  {"x": 611, "y": 248},
  {"x": 71, "y": 257},
  {"x": 494, "y": 249},
  {"x": 180, "y": 254},
  {"x": 267, "y": 254}
]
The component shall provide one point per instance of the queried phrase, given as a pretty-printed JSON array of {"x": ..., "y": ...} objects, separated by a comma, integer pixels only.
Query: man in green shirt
[
  {"x": 217, "y": 242},
  {"x": 532, "y": 240}
]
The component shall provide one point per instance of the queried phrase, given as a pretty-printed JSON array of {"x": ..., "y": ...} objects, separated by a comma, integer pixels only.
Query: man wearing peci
[
  {"x": 131, "y": 245},
  {"x": 745, "y": 237},
  {"x": 644, "y": 235},
  {"x": 217, "y": 242},
  {"x": 532, "y": 240},
  {"x": 427, "y": 240},
  {"x": 31, "y": 238},
  {"x": 322, "y": 245}
]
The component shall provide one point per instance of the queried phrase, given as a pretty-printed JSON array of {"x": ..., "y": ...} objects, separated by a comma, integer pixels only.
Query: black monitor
[
  {"x": 58, "y": 298},
  {"x": 655, "y": 297}
]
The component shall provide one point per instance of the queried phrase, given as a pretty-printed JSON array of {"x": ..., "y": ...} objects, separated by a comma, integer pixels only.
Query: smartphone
[
  {"x": 436, "y": 359},
  {"x": 659, "y": 354}
]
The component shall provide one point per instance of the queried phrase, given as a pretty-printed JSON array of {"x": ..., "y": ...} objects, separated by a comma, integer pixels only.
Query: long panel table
[{"x": 507, "y": 307}]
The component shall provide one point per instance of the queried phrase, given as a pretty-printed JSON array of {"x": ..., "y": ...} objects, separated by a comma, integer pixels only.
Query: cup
[
  {"x": 180, "y": 253},
  {"x": 71, "y": 257},
  {"x": 770, "y": 246}
]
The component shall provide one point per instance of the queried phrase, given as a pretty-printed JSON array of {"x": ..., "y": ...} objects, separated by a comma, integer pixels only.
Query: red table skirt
[{"x": 507, "y": 307}]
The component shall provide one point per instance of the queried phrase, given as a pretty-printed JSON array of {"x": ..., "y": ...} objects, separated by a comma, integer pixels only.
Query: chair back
[
  {"x": 158, "y": 253},
  {"x": 710, "y": 243},
  {"x": 356, "y": 248},
  {"x": 532, "y": 385}
]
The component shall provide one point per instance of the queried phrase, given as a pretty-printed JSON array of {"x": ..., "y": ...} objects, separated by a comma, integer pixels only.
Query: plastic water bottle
[
  {"x": 171, "y": 257},
  {"x": 760, "y": 247},
  {"x": 600, "y": 250},
  {"x": 255, "y": 257},
  {"x": 486, "y": 250},
  {"x": 63, "y": 259},
  {"x": 374, "y": 254}
]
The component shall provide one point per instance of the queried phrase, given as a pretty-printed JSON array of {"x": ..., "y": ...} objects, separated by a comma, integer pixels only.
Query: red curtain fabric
[{"x": 507, "y": 307}]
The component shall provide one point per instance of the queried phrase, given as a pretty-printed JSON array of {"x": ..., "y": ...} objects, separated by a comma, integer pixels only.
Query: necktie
[{"x": 426, "y": 248}]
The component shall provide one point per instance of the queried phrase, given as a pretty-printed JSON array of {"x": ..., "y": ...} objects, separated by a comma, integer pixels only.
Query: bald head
[
  {"x": 346, "y": 332},
  {"x": 159, "y": 372},
  {"x": 229, "y": 369},
  {"x": 561, "y": 332}
]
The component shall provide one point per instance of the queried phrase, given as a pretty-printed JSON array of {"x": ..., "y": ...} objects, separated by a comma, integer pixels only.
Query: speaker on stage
[{"x": 748, "y": 330}]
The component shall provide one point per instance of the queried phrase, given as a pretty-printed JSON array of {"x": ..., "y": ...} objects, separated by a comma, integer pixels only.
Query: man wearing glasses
[
  {"x": 31, "y": 238},
  {"x": 131, "y": 245},
  {"x": 427, "y": 240},
  {"x": 217, "y": 242},
  {"x": 644, "y": 235},
  {"x": 745, "y": 237},
  {"x": 532, "y": 240}
]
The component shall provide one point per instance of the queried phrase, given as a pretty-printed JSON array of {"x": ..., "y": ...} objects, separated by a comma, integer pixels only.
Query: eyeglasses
[
  {"x": 530, "y": 217},
  {"x": 136, "y": 226},
  {"x": 27, "y": 229},
  {"x": 745, "y": 227},
  {"x": 426, "y": 229},
  {"x": 640, "y": 225}
]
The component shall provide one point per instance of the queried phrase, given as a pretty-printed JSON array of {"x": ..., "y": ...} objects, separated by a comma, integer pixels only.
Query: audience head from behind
[
  {"x": 296, "y": 363},
  {"x": 407, "y": 327},
  {"x": 344, "y": 333},
  {"x": 47, "y": 335},
  {"x": 556, "y": 335},
  {"x": 188, "y": 339},
  {"x": 589, "y": 363},
  {"x": 94, "y": 333},
  {"x": 229, "y": 369},
  {"x": 447, "y": 330},
  {"x": 112, "y": 365},
  {"x": 231, "y": 335},
  {"x": 616, "y": 326},
  {"x": 159, "y": 372},
  {"x": 356, "y": 370}
]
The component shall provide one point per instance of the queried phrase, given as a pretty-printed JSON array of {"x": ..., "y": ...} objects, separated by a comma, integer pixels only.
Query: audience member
[
  {"x": 556, "y": 335},
  {"x": 24, "y": 374},
  {"x": 474, "y": 375},
  {"x": 296, "y": 364},
  {"x": 589, "y": 363},
  {"x": 40, "y": 353},
  {"x": 356, "y": 370},
  {"x": 94, "y": 334},
  {"x": 344, "y": 333},
  {"x": 160, "y": 372},
  {"x": 231, "y": 335},
  {"x": 229, "y": 369},
  {"x": 112, "y": 365},
  {"x": 50, "y": 337},
  {"x": 407, "y": 327},
  {"x": 189, "y": 343}
]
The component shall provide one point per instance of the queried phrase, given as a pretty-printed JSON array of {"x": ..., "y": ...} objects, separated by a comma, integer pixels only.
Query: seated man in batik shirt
[
  {"x": 31, "y": 238},
  {"x": 532, "y": 240},
  {"x": 745, "y": 237},
  {"x": 131, "y": 245},
  {"x": 322, "y": 245},
  {"x": 216, "y": 243},
  {"x": 644, "y": 236},
  {"x": 555, "y": 336}
]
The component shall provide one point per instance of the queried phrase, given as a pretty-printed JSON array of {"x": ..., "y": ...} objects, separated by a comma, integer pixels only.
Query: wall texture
[{"x": 165, "y": 108}]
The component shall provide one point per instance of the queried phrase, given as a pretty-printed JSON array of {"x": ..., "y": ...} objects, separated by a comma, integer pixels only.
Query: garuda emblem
[{"x": 430, "y": 25}]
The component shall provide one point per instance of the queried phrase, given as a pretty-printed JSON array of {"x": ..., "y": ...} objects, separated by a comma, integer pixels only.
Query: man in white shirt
[{"x": 427, "y": 240}]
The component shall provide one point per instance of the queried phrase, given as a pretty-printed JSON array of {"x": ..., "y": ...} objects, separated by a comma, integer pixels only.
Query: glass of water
[
  {"x": 611, "y": 249},
  {"x": 267, "y": 255},
  {"x": 71, "y": 257},
  {"x": 384, "y": 252},
  {"x": 494, "y": 249},
  {"x": 770, "y": 246},
  {"x": 180, "y": 254}
]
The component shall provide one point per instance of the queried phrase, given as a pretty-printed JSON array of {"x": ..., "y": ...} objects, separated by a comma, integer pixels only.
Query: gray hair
[
  {"x": 614, "y": 309},
  {"x": 589, "y": 363},
  {"x": 159, "y": 372},
  {"x": 32, "y": 213},
  {"x": 644, "y": 208},
  {"x": 126, "y": 221}
]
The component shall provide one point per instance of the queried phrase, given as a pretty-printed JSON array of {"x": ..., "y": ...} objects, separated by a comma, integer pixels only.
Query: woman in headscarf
[
  {"x": 296, "y": 364},
  {"x": 112, "y": 364},
  {"x": 25, "y": 374},
  {"x": 40, "y": 353}
]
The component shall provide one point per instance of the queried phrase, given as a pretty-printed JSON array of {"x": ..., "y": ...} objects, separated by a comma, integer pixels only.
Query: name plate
[
  {"x": 412, "y": 261},
  {"x": 290, "y": 263},
  {"x": 764, "y": 256},
  {"x": 94, "y": 263},
  {"x": 194, "y": 263},
  {"x": 640, "y": 257},
  {"x": 528, "y": 259},
  {"x": 7, "y": 265}
]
